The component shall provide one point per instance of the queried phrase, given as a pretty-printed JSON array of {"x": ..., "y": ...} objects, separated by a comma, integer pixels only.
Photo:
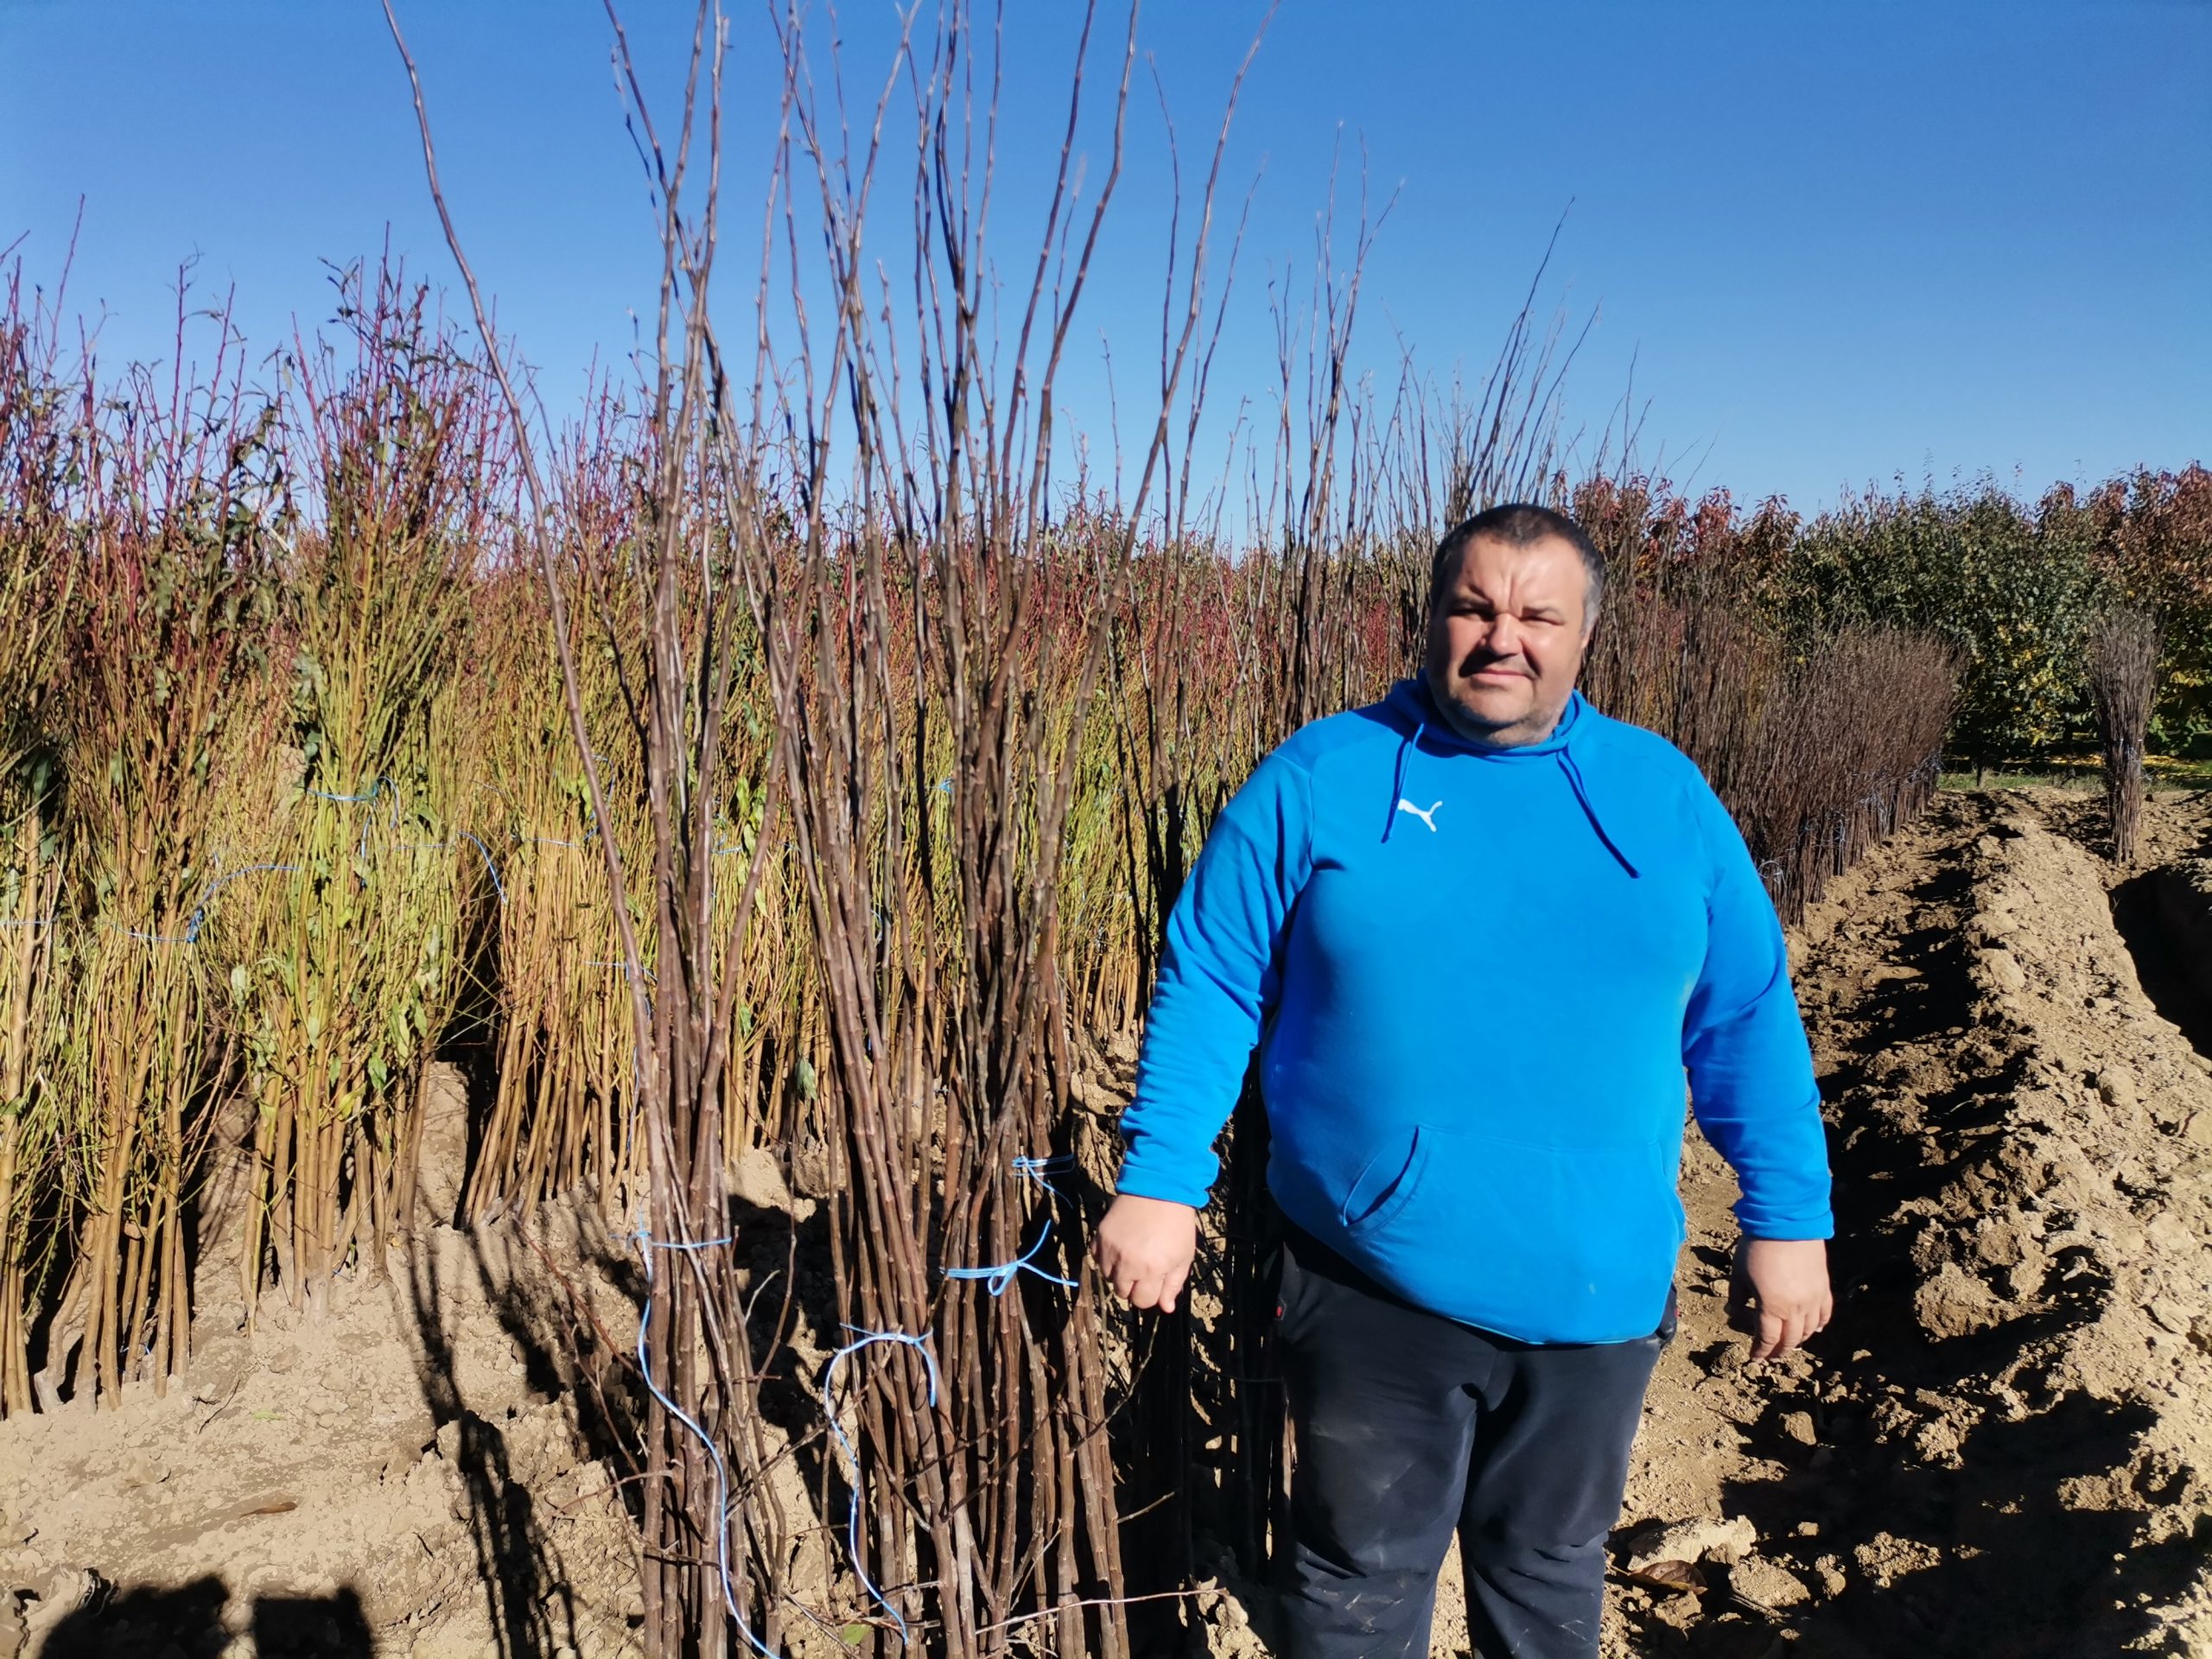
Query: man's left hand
[{"x": 1786, "y": 1281}]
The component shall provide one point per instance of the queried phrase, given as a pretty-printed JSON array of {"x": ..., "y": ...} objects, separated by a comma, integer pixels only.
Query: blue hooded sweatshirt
[{"x": 1476, "y": 979}]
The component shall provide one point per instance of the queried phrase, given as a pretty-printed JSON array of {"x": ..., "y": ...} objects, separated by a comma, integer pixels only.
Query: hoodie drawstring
[
  {"x": 1582, "y": 794},
  {"x": 1410, "y": 745},
  {"x": 1398, "y": 779}
]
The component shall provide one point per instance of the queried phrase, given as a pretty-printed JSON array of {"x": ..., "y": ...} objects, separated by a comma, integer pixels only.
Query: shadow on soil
[
  {"x": 2139, "y": 910},
  {"x": 525, "y": 1591},
  {"x": 188, "y": 1623}
]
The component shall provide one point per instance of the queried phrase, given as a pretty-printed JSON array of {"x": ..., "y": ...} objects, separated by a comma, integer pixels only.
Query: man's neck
[{"x": 1521, "y": 735}]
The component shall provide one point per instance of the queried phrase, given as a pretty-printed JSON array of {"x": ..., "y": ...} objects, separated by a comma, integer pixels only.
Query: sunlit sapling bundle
[
  {"x": 167, "y": 655},
  {"x": 946, "y": 1068},
  {"x": 2124, "y": 650},
  {"x": 44, "y": 432},
  {"x": 565, "y": 1112},
  {"x": 564, "y": 1108},
  {"x": 34, "y": 959},
  {"x": 359, "y": 974},
  {"x": 709, "y": 1516}
]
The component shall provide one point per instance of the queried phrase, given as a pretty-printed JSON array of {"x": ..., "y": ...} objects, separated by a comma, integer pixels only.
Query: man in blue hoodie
[{"x": 1479, "y": 936}]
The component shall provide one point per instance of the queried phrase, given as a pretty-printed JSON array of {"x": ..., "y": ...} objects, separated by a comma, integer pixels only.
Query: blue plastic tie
[
  {"x": 200, "y": 915},
  {"x": 374, "y": 789},
  {"x": 383, "y": 785},
  {"x": 865, "y": 1339},
  {"x": 490, "y": 868},
  {"x": 646, "y": 1245},
  {"x": 997, "y": 1278},
  {"x": 31, "y": 921},
  {"x": 1036, "y": 1169},
  {"x": 192, "y": 924}
]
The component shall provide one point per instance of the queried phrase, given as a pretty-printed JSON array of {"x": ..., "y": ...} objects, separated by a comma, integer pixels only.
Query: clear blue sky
[{"x": 1839, "y": 242}]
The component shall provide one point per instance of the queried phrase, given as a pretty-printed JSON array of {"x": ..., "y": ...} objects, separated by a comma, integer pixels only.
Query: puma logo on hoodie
[{"x": 1427, "y": 817}]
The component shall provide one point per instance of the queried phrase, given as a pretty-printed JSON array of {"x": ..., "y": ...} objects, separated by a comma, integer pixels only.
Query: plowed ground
[{"x": 2003, "y": 1445}]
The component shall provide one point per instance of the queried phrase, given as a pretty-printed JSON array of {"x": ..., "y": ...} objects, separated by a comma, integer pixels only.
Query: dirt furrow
[{"x": 2002, "y": 1445}]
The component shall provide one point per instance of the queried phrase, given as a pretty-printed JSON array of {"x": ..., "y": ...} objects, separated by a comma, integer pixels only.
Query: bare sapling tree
[
  {"x": 2124, "y": 646},
  {"x": 935, "y": 666}
]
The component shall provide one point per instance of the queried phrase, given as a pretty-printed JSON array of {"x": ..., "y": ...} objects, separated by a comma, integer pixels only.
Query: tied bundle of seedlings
[
  {"x": 564, "y": 1108},
  {"x": 33, "y": 969},
  {"x": 715, "y": 1544},
  {"x": 41, "y": 440},
  {"x": 891, "y": 589},
  {"x": 2124, "y": 647},
  {"x": 1845, "y": 752},
  {"x": 164, "y": 702},
  {"x": 564, "y": 1102},
  {"x": 937, "y": 612},
  {"x": 354, "y": 975}
]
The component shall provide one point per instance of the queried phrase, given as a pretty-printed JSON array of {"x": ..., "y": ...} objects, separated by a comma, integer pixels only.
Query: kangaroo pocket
[{"x": 1550, "y": 1243}]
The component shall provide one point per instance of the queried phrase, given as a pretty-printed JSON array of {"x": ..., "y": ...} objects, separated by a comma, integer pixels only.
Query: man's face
[{"x": 1506, "y": 636}]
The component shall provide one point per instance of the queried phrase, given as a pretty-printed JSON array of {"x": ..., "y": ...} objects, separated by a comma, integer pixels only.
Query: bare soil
[
  {"x": 412, "y": 1473},
  {"x": 2003, "y": 1446}
]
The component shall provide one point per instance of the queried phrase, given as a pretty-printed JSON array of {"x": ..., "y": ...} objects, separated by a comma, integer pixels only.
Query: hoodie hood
[{"x": 1412, "y": 709}]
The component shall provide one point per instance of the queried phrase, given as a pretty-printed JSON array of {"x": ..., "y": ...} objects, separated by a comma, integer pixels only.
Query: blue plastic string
[
  {"x": 998, "y": 1278},
  {"x": 192, "y": 933},
  {"x": 383, "y": 785},
  {"x": 30, "y": 921},
  {"x": 1036, "y": 1169},
  {"x": 644, "y": 974},
  {"x": 646, "y": 1245},
  {"x": 490, "y": 868},
  {"x": 374, "y": 789},
  {"x": 192, "y": 924},
  {"x": 865, "y": 1339},
  {"x": 152, "y": 938}
]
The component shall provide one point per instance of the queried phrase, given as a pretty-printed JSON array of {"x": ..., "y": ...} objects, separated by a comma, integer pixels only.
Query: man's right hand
[{"x": 1144, "y": 1247}]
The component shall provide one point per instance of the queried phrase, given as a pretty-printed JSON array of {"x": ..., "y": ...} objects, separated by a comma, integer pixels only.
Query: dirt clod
[
  {"x": 1723, "y": 1542},
  {"x": 1772, "y": 1586}
]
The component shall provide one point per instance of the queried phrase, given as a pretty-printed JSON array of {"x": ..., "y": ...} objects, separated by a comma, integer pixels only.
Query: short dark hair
[{"x": 1523, "y": 524}]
